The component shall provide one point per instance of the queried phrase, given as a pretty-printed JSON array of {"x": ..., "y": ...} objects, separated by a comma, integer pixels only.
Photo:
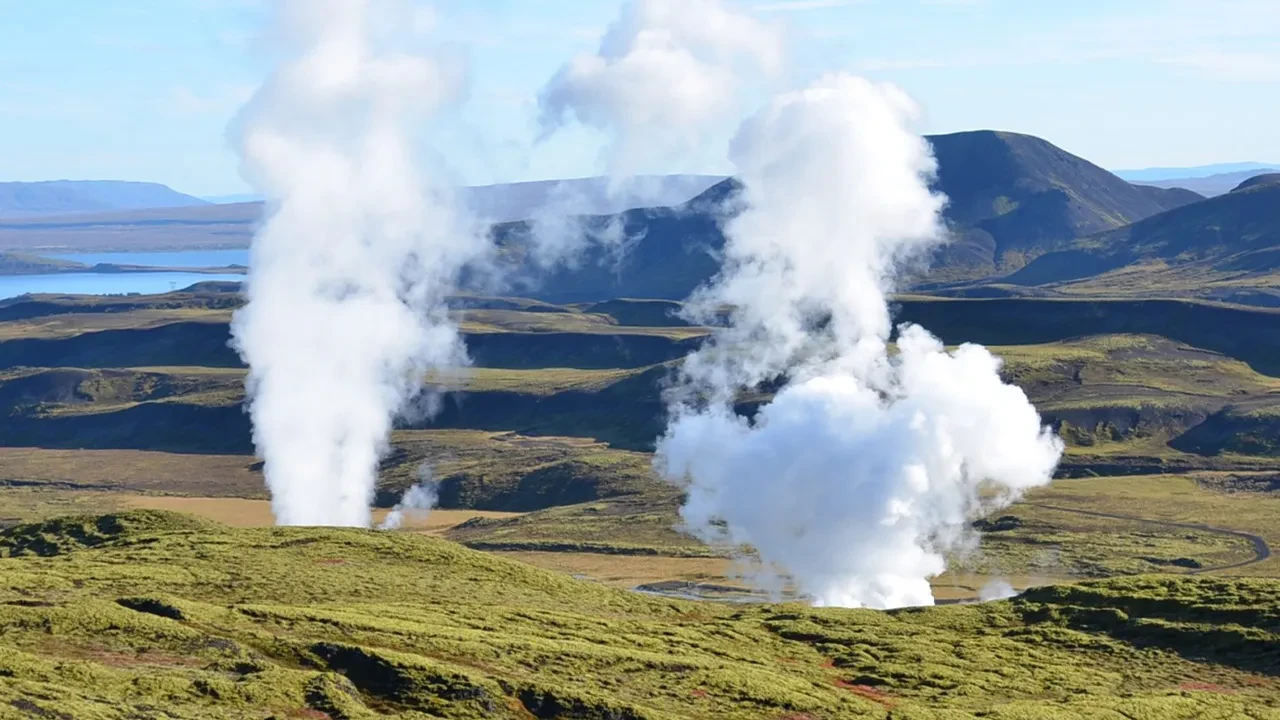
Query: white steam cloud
[
  {"x": 417, "y": 501},
  {"x": 665, "y": 76},
  {"x": 349, "y": 275},
  {"x": 666, "y": 72},
  {"x": 868, "y": 465},
  {"x": 997, "y": 590}
]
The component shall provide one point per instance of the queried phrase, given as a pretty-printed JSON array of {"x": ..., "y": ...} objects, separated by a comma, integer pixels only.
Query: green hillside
[
  {"x": 1227, "y": 248},
  {"x": 1013, "y": 197},
  {"x": 355, "y": 624}
]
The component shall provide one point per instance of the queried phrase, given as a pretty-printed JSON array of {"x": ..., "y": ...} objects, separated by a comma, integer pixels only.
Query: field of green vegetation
[
  {"x": 100, "y": 623},
  {"x": 1165, "y": 512}
]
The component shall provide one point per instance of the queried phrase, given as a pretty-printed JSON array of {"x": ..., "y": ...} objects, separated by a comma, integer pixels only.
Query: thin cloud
[
  {"x": 1242, "y": 67},
  {"x": 1232, "y": 41},
  {"x": 802, "y": 5},
  {"x": 225, "y": 100}
]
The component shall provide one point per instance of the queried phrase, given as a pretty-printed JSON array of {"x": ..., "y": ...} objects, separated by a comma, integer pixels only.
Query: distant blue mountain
[
  {"x": 577, "y": 196},
  {"x": 62, "y": 197},
  {"x": 233, "y": 199},
  {"x": 1161, "y": 174},
  {"x": 1211, "y": 185}
]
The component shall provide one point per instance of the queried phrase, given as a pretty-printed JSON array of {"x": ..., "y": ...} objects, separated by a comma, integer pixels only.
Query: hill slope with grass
[
  {"x": 1227, "y": 247},
  {"x": 155, "y": 615},
  {"x": 1015, "y": 196}
]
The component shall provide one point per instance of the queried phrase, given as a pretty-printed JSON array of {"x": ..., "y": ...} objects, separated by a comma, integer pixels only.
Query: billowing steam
[
  {"x": 665, "y": 77},
  {"x": 348, "y": 277},
  {"x": 666, "y": 71},
  {"x": 871, "y": 458},
  {"x": 867, "y": 464}
]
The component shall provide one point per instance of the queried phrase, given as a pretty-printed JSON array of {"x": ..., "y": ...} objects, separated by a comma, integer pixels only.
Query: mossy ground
[{"x": 154, "y": 615}]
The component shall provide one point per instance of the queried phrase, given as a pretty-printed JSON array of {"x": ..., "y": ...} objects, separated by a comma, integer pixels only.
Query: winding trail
[{"x": 1261, "y": 550}]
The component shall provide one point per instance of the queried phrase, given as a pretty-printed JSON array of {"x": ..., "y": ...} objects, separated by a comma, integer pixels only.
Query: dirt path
[{"x": 1261, "y": 550}]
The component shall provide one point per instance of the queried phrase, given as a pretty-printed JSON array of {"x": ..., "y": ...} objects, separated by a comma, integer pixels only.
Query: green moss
[{"x": 310, "y": 623}]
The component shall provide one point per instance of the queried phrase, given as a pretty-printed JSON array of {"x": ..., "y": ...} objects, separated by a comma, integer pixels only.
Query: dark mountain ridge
[{"x": 1012, "y": 198}]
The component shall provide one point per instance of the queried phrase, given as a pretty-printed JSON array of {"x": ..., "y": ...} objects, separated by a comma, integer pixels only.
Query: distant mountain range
[
  {"x": 57, "y": 197},
  {"x": 1166, "y": 174},
  {"x": 1026, "y": 218},
  {"x": 1212, "y": 185},
  {"x": 233, "y": 199},
  {"x": 583, "y": 196},
  {"x": 578, "y": 196},
  {"x": 205, "y": 225}
]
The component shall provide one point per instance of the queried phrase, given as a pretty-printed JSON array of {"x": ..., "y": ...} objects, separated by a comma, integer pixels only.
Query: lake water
[
  {"x": 125, "y": 283},
  {"x": 104, "y": 284},
  {"x": 183, "y": 259}
]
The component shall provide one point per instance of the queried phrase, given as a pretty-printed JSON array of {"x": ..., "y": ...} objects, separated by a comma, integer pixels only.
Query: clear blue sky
[{"x": 143, "y": 89}]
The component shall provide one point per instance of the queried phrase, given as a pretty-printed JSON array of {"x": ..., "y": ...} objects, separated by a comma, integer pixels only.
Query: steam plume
[
  {"x": 666, "y": 71},
  {"x": 664, "y": 78},
  {"x": 866, "y": 466},
  {"x": 349, "y": 275},
  {"x": 997, "y": 590},
  {"x": 417, "y": 501}
]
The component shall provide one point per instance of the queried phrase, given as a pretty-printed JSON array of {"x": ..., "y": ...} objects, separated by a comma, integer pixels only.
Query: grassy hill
[
  {"x": 352, "y": 624},
  {"x": 1015, "y": 196},
  {"x": 24, "y": 264},
  {"x": 1227, "y": 247}
]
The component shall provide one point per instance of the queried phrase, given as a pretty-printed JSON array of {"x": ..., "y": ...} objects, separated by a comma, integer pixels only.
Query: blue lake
[
  {"x": 183, "y": 259},
  {"x": 104, "y": 284},
  {"x": 125, "y": 283}
]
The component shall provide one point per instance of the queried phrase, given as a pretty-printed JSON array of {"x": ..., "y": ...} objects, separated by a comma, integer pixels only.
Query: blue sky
[{"x": 143, "y": 89}]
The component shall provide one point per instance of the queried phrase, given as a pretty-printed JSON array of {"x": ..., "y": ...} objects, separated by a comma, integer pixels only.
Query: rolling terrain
[
  {"x": 1225, "y": 248},
  {"x": 108, "y": 399},
  {"x": 97, "y": 374},
  {"x": 1132, "y": 317},
  {"x": 324, "y": 623}
]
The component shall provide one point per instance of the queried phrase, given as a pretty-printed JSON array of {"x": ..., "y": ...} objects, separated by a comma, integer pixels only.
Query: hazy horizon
[{"x": 145, "y": 90}]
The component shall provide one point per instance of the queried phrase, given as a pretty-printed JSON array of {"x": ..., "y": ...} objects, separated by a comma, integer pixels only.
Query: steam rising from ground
[
  {"x": 416, "y": 502},
  {"x": 867, "y": 465},
  {"x": 349, "y": 276}
]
